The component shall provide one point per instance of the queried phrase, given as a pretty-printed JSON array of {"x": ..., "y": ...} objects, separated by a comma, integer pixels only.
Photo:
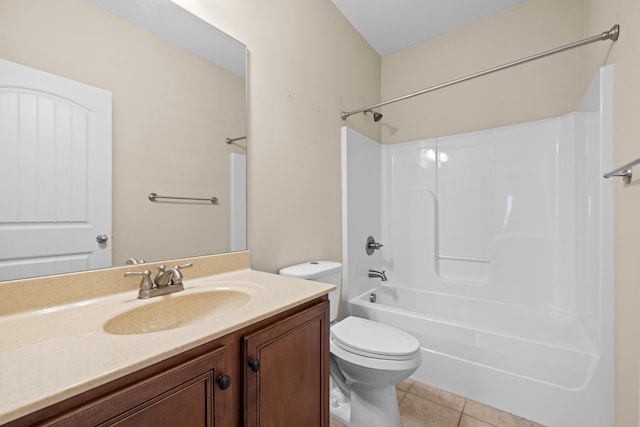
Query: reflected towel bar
[
  {"x": 626, "y": 172},
  {"x": 154, "y": 198}
]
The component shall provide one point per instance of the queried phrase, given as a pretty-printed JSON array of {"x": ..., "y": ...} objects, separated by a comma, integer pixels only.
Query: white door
[{"x": 55, "y": 174}]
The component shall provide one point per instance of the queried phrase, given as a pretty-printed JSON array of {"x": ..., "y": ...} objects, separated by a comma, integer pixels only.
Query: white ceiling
[{"x": 392, "y": 25}]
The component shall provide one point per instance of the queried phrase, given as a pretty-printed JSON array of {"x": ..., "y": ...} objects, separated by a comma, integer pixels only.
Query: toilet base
[
  {"x": 340, "y": 407},
  {"x": 374, "y": 406},
  {"x": 341, "y": 413}
]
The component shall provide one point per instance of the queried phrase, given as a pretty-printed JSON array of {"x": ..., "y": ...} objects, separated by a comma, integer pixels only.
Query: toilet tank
[{"x": 320, "y": 271}]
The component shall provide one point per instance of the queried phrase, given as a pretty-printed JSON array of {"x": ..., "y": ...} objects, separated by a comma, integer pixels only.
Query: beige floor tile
[
  {"x": 467, "y": 421},
  {"x": 405, "y": 385},
  {"x": 417, "y": 412},
  {"x": 495, "y": 416},
  {"x": 334, "y": 423},
  {"x": 422, "y": 405},
  {"x": 437, "y": 395},
  {"x": 401, "y": 394}
]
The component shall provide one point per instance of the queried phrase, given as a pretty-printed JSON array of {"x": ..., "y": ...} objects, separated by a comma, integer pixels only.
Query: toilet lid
[{"x": 374, "y": 339}]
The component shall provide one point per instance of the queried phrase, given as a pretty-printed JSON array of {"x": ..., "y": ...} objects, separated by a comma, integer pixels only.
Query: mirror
[{"x": 178, "y": 88}]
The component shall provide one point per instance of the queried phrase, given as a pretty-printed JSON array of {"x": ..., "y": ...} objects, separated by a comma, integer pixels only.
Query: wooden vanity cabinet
[
  {"x": 181, "y": 396},
  {"x": 286, "y": 371},
  {"x": 214, "y": 385}
]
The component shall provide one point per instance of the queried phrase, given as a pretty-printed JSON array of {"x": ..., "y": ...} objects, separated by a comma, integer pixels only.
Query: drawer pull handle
[
  {"x": 255, "y": 365},
  {"x": 224, "y": 381}
]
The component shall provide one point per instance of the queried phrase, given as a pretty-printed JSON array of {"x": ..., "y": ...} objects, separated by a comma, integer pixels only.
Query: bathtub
[{"x": 532, "y": 362}]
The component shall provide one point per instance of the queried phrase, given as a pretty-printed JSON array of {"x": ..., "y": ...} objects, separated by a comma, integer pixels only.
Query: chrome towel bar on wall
[
  {"x": 626, "y": 172},
  {"x": 232, "y": 140},
  {"x": 154, "y": 198}
]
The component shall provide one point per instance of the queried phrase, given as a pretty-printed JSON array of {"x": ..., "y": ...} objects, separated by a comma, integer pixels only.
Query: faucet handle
[
  {"x": 187, "y": 265},
  {"x": 372, "y": 245},
  {"x": 145, "y": 283}
]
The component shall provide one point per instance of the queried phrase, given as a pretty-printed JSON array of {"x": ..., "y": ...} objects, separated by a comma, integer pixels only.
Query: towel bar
[
  {"x": 626, "y": 172},
  {"x": 154, "y": 198}
]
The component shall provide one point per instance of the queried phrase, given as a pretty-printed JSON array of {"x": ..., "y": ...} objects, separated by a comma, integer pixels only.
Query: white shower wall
[
  {"x": 480, "y": 214},
  {"x": 507, "y": 214},
  {"x": 517, "y": 218},
  {"x": 361, "y": 159}
]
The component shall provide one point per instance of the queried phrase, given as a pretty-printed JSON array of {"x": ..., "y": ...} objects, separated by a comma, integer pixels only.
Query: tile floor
[{"x": 422, "y": 405}]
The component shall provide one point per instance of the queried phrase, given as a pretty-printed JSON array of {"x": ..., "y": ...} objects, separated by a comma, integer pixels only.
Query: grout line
[
  {"x": 462, "y": 411},
  {"x": 404, "y": 394},
  {"x": 464, "y": 406},
  {"x": 482, "y": 421},
  {"x": 460, "y": 418}
]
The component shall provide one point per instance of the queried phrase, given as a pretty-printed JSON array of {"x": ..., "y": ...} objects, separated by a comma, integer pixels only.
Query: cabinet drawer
[{"x": 184, "y": 395}]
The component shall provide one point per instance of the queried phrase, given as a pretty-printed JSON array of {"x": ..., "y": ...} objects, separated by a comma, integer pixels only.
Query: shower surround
[{"x": 498, "y": 250}]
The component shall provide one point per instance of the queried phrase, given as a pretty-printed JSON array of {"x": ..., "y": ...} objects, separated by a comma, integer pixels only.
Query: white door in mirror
[{"x": 55, "y": 179}]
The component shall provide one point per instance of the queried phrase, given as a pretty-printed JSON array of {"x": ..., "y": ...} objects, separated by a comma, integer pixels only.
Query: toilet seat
[{"x": 373, "y": 339}]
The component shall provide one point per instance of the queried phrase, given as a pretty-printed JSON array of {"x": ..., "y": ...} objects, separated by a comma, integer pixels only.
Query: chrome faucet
[
  {"x": 169, "y": 276},
  {"x": 378, "y": 274},
  {"x": 167, "y": 281}
]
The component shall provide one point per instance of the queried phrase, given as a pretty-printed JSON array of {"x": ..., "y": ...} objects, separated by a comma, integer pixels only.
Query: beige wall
[
  {"x": 306, "y": 64},
  {"x": 625, "y": 55},
  {"x": 171, "y": 113},
  {"x": 541, "y": 89}
]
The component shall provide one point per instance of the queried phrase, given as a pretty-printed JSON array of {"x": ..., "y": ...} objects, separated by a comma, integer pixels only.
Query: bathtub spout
[{"x": 378, "y": 274}]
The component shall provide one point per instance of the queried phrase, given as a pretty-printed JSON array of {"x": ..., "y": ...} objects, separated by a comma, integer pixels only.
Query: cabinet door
[
  {"x": 287, "y": 371},
  {"x": 183, "y": 396}
]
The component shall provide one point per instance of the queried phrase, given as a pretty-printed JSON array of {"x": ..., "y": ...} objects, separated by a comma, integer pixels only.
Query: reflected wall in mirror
[{"x": 172, "y": 111}]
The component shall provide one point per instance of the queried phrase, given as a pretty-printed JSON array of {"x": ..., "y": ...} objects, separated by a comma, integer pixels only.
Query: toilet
[{"x": 367, "y": 360}]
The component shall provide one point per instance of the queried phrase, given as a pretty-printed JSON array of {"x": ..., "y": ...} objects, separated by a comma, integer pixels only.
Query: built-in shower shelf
[{"x": 468, "y": 270}]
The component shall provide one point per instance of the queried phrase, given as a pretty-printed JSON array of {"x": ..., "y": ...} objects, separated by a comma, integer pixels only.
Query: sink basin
[{"x": 175, "y": 310}]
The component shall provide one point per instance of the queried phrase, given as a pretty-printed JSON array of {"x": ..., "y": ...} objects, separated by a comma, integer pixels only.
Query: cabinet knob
[
  {"x": 224, "y": 381},
  {"x": 255, "y": 365}
]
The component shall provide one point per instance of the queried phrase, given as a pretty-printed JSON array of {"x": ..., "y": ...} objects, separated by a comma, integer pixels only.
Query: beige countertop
[{"x": 53, "y": 352}]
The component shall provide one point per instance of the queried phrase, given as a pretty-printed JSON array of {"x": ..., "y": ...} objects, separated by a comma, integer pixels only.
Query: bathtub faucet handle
[
  {"x": 372, "y": 245},
  {"x": 378, "y": 274}
]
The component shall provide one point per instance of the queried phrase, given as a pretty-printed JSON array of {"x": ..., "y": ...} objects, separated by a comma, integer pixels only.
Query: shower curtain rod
[{"x": 612, "y": 34}]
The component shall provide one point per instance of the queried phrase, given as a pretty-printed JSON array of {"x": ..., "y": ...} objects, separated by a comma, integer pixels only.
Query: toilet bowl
[
  {"x": 373, "y": 358},
  {"x": 368, "y": 358}
]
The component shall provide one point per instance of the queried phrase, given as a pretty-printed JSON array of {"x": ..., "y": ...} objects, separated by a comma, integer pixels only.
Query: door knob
[{"x": 102, "y": 238}]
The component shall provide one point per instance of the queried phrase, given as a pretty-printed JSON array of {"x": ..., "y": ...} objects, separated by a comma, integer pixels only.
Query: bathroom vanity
[{"x": 259, "y": 362}]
